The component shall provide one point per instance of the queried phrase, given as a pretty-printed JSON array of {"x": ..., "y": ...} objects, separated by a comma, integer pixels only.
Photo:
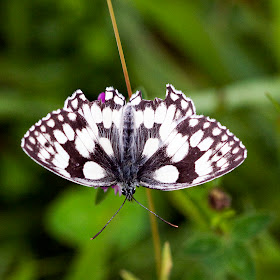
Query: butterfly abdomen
[{"x": 129, "y": 169}]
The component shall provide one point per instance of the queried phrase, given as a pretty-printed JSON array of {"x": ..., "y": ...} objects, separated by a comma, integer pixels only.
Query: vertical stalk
[
  {"x": 154, "y": 226},
  {"x": 119, "y": 44}
]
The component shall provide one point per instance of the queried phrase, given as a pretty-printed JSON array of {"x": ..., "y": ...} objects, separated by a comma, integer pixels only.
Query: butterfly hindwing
[{"x": 198, "y": 150}]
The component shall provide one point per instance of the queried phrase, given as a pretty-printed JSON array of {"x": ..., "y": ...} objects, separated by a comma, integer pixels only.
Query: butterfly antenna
[
  {"x": 154, "y": 213},
  {"x": 109, "y": 220}
]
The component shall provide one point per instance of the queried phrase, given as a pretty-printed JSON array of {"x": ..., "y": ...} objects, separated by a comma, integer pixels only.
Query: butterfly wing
[
  {"x": 154, "y": 120},
  {"x": 182, "y": 149},
  {"x": 76, "y": 141}
]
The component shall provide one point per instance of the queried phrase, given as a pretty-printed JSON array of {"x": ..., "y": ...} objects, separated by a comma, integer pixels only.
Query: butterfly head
[{"x": 128, "y": 192}]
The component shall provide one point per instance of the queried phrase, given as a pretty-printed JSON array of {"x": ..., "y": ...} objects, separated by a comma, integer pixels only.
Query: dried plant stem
[
  {"x": 155, "y": 233},
  {"x": 117, "y": 36}
]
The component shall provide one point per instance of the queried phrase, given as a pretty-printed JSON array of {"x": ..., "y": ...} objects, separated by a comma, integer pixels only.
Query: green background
[{"x": 223, "y": 54}]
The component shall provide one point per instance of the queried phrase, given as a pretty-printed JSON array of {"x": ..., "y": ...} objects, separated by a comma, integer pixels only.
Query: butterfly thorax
[{"x": 128, "y": 168}]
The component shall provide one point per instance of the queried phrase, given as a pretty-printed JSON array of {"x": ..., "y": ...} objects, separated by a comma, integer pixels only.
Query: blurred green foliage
[{"x": 224, "y": 54}]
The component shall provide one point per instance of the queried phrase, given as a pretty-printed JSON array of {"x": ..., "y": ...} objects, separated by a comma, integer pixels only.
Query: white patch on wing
[
  {"x": 238, "y": 158},
  {"x": 32, "y": 140},
  {"x": 72, "y": 116},
  {"x": 80, "y": 147},
  {"x": 61, "y": 154},
  {"x": 69, "y": 132},
  {"x": 138, "y": 118},
  {"x": 193, "y": 122},
  {"x": 160, "y": 113},
  {"x": 96, "y": 113},
  {"x": 196, "y": 138},
  {"x": 43, "y": 128},
  {"x": 60, "y": 136},
  {"x": 216, "y": 131},
  {"x": 42, "y": 140},
  {"x": 174, "y": 96},
  {"x": 181, "y": 153},
  {"x": 203, "y": 164},
  {"x": 45, "y": 154},
  {"x": 118, "y": 100},
  {"x": 168, "y": 123},
  {"x": 175, "y": 144},
  {"x": 135, "y": 101},
  {"x": 87, "y": 141},
  {"x": 184, "y": 104},
  {"x": 166, "y": 174},
  {"x": 224, "y": 137},
  {"x": 221, "y": 162},
  {"x": 107, "y": 117},
  {"x": 29, "y": 148},
  {"x": 60, "y": 118},
  {"x": 89, "y": 118},
  {"x": 44, "y": 118},
  {"x": 117, "y": 117},
  {"x": 241, "y": 145},
  {"x": 75, "y": 103},
  {"x": 108, "y": 95},
  {"x": 105, "y": 143},
  {"x": 50, "y": 123},
  {"x": 235, "y": 150},
  {"x": 206, "y": 125},
  {"x": 149, "y": 116},
  {"x": 224, "y": 150},
  {"x": 205, "y": 144},
  {"x": 150, "y": 147},
  {"x": 93, "y": 171},
  {"x": 64, "y": 173},
  {"x": 22, "y": 142}
]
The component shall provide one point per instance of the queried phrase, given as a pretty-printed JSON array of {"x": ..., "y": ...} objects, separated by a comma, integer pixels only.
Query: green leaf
[
  {"x": 203, "y": 246},
  {"x": 241, "y": 263},
  {"x": 74, "y": 218},
  {"x": 101, "y": 195},
  {"x": 166, "y": 262},
  {"x": 126, "y": 275},
  {"x": 249, "y": 226},
  {"x": 90, "y": 261}
]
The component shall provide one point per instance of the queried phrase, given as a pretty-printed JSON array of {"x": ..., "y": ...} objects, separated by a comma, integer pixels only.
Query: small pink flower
[
  {"x": 116, "y": 188},
  {"x": 101, "y": 97}
]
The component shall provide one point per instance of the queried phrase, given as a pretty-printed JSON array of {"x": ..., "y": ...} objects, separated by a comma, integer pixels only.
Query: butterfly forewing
[{"x": 80, "y": 141}]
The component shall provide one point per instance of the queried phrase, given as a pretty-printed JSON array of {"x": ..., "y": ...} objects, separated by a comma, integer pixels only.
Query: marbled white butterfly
[{"x": 159, "y": 144}]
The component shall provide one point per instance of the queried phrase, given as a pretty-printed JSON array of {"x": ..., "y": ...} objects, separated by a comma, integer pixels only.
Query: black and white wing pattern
[
  {"x": 81, "y": 141},
  {"x": 160, "y": 144},
  {"x": 177, "y": 148}
]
